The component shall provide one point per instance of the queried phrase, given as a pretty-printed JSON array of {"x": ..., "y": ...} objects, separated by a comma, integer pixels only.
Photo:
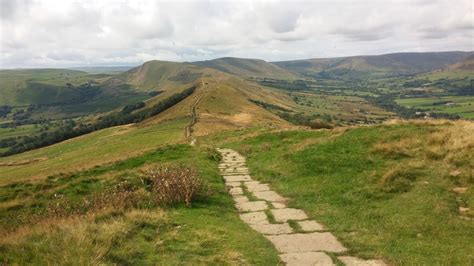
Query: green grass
[
  {"x": 461, "y": 105},
  {"x": 209, "y": 232},
  {"x": 396, "y": 205},
  {"x": 96, "y": 148}
]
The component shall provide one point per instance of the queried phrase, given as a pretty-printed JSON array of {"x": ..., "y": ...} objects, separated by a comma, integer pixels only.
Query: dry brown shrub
[
  {"x": 175, "y": 184},
  {"x": 319, "y": 124}
]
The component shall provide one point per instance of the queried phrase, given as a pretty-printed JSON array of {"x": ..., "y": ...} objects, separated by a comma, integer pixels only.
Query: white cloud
[{"x": 58, "y": 33}]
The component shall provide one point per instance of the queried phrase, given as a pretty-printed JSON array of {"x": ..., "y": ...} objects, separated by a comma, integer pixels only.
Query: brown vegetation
[{"x": 176, "y": 184}]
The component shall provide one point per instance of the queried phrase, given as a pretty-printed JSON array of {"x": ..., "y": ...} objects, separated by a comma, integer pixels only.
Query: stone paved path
[{"x": 265, "y": 211}]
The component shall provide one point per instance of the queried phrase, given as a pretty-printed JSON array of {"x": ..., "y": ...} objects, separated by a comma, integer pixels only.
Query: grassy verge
[
  {"x": 128, "y": 228},
  {"x": 386, "y": 191}
]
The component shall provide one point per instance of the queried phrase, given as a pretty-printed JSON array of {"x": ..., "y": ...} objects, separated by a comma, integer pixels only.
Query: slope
[
  {"x": 250, "y": 68},
  {"x": 161, "y": 75},
  {"x": 401, "y": 190}
]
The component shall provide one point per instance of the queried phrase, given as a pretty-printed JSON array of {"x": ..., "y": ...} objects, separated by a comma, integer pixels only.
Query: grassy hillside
[
  {"x": 61, "y": 93},
  {"x": 108, "y": 215},
  {"x": 374, "y": 66},
  {"x": 401, "y": 191},
  {"x": 38, "y": 86},
  {"x": 161, "y": 75},
  {"x": 250, "y": 68},
  {"x": 107, "y": 145}
]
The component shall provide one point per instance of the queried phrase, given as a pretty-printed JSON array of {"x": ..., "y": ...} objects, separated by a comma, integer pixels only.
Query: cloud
[{"x": 61, "y": 33}]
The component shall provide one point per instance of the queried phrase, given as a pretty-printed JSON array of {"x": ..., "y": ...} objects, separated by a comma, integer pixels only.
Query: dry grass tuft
[
  {"x": 449, "y": 144},
  {"x": 175, "y": 184},
  {"x": 399, "y": 178}
]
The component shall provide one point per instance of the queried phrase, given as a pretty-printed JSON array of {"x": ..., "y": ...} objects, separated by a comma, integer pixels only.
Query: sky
[{"x": 64, "y": 33}]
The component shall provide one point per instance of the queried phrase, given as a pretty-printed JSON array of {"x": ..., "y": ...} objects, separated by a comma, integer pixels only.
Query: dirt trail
[
  {"x": 188, "y": 131},
  {"x": 299, "y": 240}
]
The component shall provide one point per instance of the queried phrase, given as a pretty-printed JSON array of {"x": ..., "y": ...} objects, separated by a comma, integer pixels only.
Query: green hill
[
  {"x": 375, "y": 65},
  {"x": 250, "y": 68},
  {"x": 161, "y": 75}
]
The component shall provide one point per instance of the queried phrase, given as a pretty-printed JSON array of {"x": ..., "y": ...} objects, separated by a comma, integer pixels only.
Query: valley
[{"x": 377, "y": 149}]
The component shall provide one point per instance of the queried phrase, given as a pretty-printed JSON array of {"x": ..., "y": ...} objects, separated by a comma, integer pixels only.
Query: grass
[
  {"x": 86, "y": 151},
  {"x": 381, "y": 191},
  {"x": 209, "y": 232}
]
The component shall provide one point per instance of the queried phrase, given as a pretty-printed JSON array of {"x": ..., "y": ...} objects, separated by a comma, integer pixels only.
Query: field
[
  {"x": 18, "y": 131},
  {"x": 461, "y": 105},
  {"x": 381, "y": 191},
  {"x": 344, "y": 109}
]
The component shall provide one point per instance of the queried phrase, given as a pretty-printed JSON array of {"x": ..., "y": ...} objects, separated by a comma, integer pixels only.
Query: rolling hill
[
  {"x": 250, "y": 68},
  {"x": 374, "y": 65},
  {"x": 161, "y": 75}
]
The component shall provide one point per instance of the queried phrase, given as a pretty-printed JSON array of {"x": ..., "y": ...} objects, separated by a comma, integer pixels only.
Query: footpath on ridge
[{"x": 299, "y": 240}]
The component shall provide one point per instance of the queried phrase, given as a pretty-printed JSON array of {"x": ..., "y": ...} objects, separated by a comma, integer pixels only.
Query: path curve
[{"x": 299, "y": 240}]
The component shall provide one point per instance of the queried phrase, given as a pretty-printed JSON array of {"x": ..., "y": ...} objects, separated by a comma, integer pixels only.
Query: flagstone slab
[
  {"x": 353, "y": 261},
  {"x": 306, "y": 259},
  {"x": 236, "y": 191},
  {"x": 251, "y": 206},
  {"x": 283, "y": 215},
  {"x": 255, "y": 186},
  {"x": 240, "y": 198},
  {"x": 254, "y": 217},
  {"x": 236, "y": 178},
  {"x": 268, "y": 196},
  {"x": 310, "y": 226},
  {"x": 233, "y": 184},
  {"x": 235, "y": 173},
  {"x": 288, "y": 243},
  {"x": 272, "y": 229},
  {"x": 278, "y": 205}
]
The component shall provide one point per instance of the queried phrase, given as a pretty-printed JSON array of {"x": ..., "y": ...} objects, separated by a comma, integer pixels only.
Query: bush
[
  {"x": 170, "y": 185},
  {"x": 319, "y": 123}
]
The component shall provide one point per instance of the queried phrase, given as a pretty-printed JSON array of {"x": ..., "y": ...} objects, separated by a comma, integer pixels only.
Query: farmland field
[{"x": 461, "y": 105}]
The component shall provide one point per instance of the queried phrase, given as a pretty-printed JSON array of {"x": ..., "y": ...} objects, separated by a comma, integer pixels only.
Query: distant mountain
[
  {"x": 103, "y": 70},
  {"x": 251, "y": 68},
  {"x": 467, "y": 64},
  {"x": 374, "y": 65}
]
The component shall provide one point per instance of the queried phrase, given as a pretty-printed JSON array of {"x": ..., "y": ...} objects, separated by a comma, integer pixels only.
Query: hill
[
  {"x": 250, "y": 68},
  {"x": 467, "y": 64},
  {"x": 374, "y": 65},
  {"x": 61, "y": 93},
  {"x": 104, "y": 69},
  {"x": 161, "y": 75}
]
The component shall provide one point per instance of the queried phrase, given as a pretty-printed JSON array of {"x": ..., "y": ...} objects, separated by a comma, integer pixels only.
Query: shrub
[
  {"x": 176, "y": 184},
  {"x": 319, "y": 123}
]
